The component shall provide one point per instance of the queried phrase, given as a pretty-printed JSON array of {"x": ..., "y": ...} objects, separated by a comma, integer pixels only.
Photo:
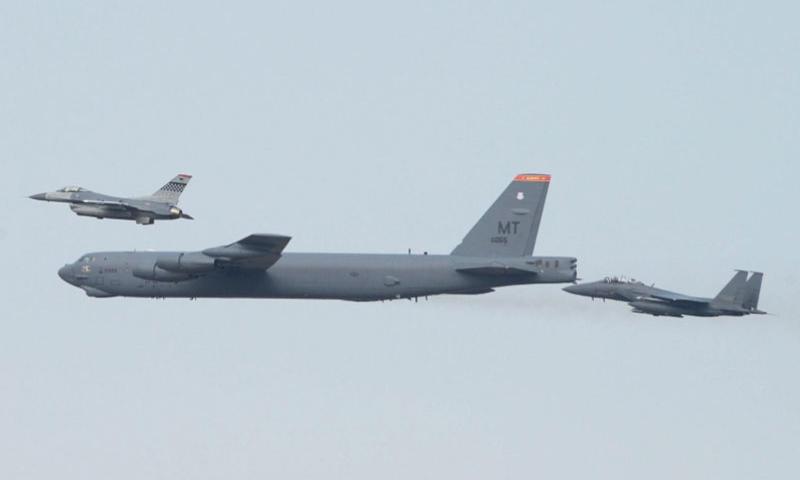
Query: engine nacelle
[
  {"x": 191, "y": 263},
  {"x": 158, "y": 274}
]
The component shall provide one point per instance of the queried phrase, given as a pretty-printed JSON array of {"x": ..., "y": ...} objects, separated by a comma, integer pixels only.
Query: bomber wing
[{"x": 257, "y": 251}]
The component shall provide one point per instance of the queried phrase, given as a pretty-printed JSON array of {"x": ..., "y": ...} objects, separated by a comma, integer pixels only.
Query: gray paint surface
[
  {"x": 161, "y": 205},
  {"x": 670, "y": 129},
  {"x": 494, "y": 253},
  {"x": 739, "y": 297}
]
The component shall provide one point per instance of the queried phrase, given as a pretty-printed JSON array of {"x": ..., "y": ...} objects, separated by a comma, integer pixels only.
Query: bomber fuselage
[{"x": 358, "y": 277}]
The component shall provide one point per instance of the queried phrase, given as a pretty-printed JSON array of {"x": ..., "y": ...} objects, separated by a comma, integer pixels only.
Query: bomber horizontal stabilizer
[{"x": 496, "y": 268}]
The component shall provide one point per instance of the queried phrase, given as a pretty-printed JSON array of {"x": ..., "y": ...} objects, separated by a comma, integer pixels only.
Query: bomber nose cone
[
  {"x": 65, "y": 273},
  {"x": 38, "y": 196}
]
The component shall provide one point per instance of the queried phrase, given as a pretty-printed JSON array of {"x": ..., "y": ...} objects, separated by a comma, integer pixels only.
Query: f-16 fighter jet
[
  {"x": 739, "y": 297},
  {"x": 162, "y": 205},
  {"x": 495, "y": 253}
]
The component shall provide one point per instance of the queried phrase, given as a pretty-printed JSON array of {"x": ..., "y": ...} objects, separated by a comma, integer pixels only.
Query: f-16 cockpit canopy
[
  {"x": 622, "y": 280},
  {"x": 70, "y": 189}
]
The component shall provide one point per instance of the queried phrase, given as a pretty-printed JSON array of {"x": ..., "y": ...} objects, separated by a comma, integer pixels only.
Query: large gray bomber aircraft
[
  {"x": 495, "y": 253},
  {"x": 161, "y": 205},
  {"x": 738, "y": 298}
]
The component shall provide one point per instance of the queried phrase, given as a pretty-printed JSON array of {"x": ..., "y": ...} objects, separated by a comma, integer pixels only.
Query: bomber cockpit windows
[{"x": 70, "y": 189}]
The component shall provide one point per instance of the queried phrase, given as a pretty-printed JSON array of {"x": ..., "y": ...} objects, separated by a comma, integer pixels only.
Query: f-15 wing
[
  {"x": 671, "y": 297},
  {"x": 256, "y": 252}
]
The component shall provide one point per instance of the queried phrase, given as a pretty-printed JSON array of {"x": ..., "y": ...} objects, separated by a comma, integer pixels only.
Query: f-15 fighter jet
[
  {"x": 495, "y": 253},
  {"x": 161, "y": 205},
  {"x": 739, "y": 297}
]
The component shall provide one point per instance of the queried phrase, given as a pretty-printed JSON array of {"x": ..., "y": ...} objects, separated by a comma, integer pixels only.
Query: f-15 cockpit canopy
[
  {"x": 618, "y": 280},
  {"x": 71, "y": 189}
]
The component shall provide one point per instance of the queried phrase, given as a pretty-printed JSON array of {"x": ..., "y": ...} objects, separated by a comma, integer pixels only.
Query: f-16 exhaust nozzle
[{"x": 175, "y": 212}]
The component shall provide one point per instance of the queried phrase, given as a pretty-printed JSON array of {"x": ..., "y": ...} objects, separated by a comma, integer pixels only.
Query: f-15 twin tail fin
[
  {"x": 742, "y": 291},
  {"x": 752, "y": 292},
  {"x": 733, "y": 293}
]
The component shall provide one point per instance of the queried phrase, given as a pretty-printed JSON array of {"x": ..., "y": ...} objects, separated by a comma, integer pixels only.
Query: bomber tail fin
[
  {"x": 510, "y": 226},
  {"x": 734, "y": 291},
  {"x": 171, "y": 192}
]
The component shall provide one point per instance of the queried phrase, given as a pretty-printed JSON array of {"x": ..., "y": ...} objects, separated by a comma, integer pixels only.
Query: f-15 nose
[
  {"x": 578, "y": 289},
  {"x": 39, "y": 196}
]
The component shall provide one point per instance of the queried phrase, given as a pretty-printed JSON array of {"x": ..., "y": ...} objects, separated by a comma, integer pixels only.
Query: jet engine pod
[
  {"x": 191, "y": 263},
  {"x": 158, "y": 274}
]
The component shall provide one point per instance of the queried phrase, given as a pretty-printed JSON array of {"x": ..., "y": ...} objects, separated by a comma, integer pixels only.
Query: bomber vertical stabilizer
[{"x": 509, "y": 227}]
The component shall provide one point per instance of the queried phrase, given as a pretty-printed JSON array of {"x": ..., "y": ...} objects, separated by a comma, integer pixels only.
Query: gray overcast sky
[{"x": 670, "y": 129}]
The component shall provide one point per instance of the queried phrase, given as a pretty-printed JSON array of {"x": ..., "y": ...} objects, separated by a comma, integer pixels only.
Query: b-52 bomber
[
  {"x": 738, "y": 298},
  {"x": 495, "y": 253},
  {"x": 161, "y": 205}
]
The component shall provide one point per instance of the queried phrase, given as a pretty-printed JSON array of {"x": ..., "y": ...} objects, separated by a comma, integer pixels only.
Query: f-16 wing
[
  {"x": 114, "y": 204},
  {"x": 256, "y": 252}
]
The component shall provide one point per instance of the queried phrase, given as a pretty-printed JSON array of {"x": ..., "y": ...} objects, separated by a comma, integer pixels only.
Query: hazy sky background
[{"x": 670, "y": 129}]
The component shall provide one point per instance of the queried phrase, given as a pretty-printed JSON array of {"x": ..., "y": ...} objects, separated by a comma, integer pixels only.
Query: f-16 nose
[{"x": 39, "y": 196}]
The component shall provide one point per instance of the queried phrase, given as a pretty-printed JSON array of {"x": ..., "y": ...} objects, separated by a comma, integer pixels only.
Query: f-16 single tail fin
[
  {"x": 752, "y": 291},
  {"x": 171, "y": 192},
  {"x": 734, "y": 292},
  {"x": 509, "y": 227}
]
